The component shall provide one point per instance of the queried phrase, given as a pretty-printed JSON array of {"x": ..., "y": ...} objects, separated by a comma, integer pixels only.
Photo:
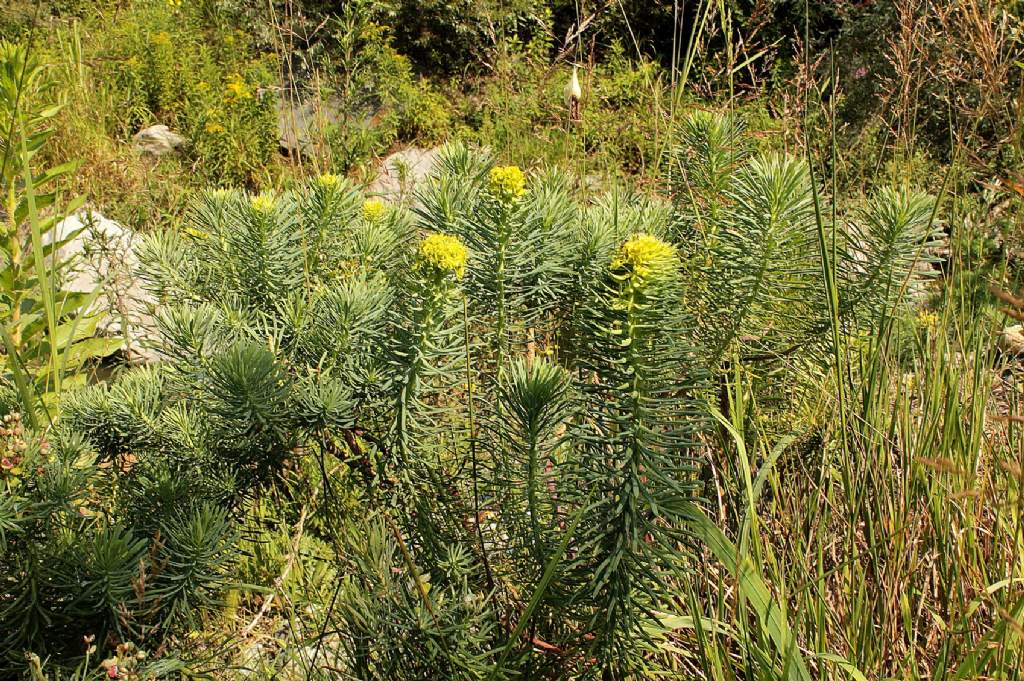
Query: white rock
[
  {"x": 101, "y": 256},
  {"x": 1011, "y": 340},
  {"x": 402, "y": 172},
  {"x": 157, "y": 140}
]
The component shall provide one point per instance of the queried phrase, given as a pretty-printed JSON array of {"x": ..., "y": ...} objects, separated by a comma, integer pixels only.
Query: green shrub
[
  {"x": 232, "y": 123},
  {"x": 624, "y": 121},
  {"x": 454, "y": 36}
]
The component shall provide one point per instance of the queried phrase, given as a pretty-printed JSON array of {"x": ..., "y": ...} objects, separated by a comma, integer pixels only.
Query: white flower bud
[{"x": 573, "y": 92}]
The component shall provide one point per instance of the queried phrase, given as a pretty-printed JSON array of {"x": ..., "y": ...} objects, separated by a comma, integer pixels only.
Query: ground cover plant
[{"x": 690, "y": 356}]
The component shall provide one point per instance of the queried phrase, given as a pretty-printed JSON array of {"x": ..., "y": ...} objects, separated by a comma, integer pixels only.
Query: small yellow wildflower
[
  {"x": 262, "y": 203},
  {"x": 162, "y": 38},
  {"x": 373, "y": 210},
  {"x": 643, "y": 256},
  {"x": 328, "y": 180},
  {"x": 927, "y": 319},
  {"x": 213, "y": 128},
  {"x": 444, "y": 253},
  {"x": 202, "y": 86},
  {"x": 236, "y": 89},
  {"x": 174, "y": 3},
  {"x": 507, "y": 183}
]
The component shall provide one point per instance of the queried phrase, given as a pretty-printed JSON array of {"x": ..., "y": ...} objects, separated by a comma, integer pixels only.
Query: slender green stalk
[
  {"x": 470, "y": 407},
  {"x": 538, "y": 593},
  {"x": 828, "y": 272},
  {"x": 42, "y": 276}
]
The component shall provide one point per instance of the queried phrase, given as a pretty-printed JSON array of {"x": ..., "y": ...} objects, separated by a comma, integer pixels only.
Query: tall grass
[{"x": 888, "y": 527}]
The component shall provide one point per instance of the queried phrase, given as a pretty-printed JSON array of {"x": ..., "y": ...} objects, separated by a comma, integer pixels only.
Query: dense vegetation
[{"x": 705, "y": 370}]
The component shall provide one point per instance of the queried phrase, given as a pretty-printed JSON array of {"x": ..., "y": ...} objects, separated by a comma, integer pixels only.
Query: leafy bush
[
  {"x": 232, "y": 123},
  {"x": 452, "y": 36}
]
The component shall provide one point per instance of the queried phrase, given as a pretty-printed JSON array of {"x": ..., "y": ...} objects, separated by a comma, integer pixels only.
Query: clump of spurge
[
  {"x": 442, "y": 254},
  {"x": 642, "y": 259}
]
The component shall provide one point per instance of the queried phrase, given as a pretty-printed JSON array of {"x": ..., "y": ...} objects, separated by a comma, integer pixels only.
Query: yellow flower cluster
[
  {"x": 328, "y": 180},
  {"x": 643, "y": 256},
  {"x": 373, "y": 210},
  {"x": 236, "y": 89},
  {"x": 162, "y": 38},
  {"x": 507, "y": 183},
  {"x": 444, "y": 253},
  {"x": 262, "y": 203},
  {"x": 213, "y": 128},
  {"x": 927, "y": 319}
]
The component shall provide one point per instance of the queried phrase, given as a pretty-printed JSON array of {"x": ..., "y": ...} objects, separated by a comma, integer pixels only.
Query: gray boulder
[
  {"x": 304, "y": 123},
  {"x": 1011, "y": 340},
  {"x": 157, "y": 140}
]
